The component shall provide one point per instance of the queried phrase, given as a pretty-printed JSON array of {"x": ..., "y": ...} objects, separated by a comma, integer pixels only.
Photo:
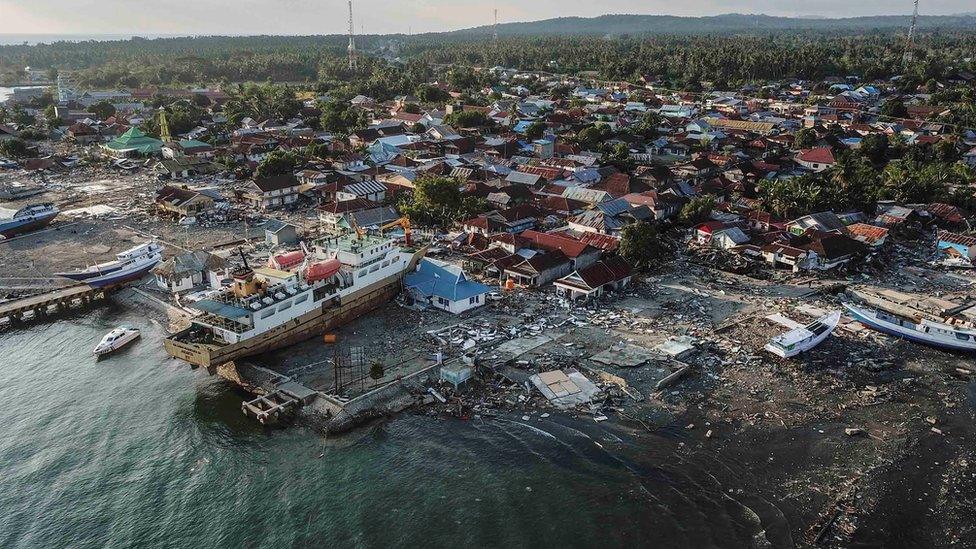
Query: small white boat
[
  {"x": 803, "y": 339},
  {"x": 115, "y": 340}
]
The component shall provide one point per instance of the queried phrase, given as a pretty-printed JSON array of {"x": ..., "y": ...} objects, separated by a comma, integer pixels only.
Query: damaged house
[
  {"x": 184, "y": 272},
  {"x": 444, "y": 286},
  {"x": 539, "y": 269},
  {"x": 610, "y": 273},
  {"x": 182, "y": 201}
]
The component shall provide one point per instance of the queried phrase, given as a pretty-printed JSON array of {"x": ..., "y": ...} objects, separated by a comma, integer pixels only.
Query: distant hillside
[{"x": 728, "y": 23}]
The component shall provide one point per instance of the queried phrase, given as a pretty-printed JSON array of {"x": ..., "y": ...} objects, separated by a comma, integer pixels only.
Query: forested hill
[{"x": 728, "y": 23}]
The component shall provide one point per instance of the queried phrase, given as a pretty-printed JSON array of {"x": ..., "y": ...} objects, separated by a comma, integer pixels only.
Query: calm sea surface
[{"x": 138, "y": 450}]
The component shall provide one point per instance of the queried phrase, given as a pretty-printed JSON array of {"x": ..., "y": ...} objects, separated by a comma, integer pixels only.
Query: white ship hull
[{"x": 926, "y": 332}]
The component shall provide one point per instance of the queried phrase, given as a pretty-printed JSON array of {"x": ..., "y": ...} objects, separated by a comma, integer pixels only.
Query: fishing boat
[
  {"x": 27, "y": 219},
  {"x": 804, "y": 338},
  {"x": 115, "y": 340},
  {"x": 921, "y": 330},
  {"x": 129, "y": 265}
]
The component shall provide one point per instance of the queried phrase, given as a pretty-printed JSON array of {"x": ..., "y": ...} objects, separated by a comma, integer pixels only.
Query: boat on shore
[
  {"x": 115, "y": 340},
  {"x": 27, "y": 219},
  {"x": 803, "y": 339},
  {"x": 129, "y": 265},
  {"x": 266, "y": 308},
  {"x": 920, "y": 330}
]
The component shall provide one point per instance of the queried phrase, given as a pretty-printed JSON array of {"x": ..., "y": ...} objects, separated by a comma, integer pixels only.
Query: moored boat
[
  {"x": 27, "y": 219},
  {"x": 917, "y": 329},
  {"x": 115, "y": 340},
  {"x": 805, "y": 338}
]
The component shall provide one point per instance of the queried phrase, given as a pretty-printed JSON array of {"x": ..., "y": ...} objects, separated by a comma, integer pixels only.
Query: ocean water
[{"x": 137, "y": 450}]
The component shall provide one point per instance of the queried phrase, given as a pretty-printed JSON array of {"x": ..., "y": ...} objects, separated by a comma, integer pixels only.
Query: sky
[{"x": 236, "y": 17}]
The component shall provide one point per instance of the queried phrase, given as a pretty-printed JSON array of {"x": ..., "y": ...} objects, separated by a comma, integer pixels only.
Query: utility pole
[
  {"x": 910, "y": 43},
  {"x": 353, "y": 65}
]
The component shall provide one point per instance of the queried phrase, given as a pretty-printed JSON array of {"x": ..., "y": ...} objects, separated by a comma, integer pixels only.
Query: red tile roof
[
  {"x": 868, "y": 234},
  {"x": 544, "y": 171},
  {"x": 819, "y": 155},
  {"x": 552, "y": 241},
  {"x": 953, "y": 238},
  {"x": 605, "y": 271},
  {"x": 605, "y": 242},
  {"x": 946, "y": 212}
]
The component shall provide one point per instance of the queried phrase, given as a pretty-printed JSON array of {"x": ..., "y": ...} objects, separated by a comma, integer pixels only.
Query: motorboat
[
  {"x": 115, "y": 340},
  {"x": 803, "y": 339}
]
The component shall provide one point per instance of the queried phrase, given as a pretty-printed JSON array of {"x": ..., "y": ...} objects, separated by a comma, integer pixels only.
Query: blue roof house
[
  {"x": 444, "y": 286},
  {"x": 522, "y": 126}
]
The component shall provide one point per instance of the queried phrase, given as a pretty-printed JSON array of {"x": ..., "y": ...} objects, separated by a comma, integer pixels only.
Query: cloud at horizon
[{"x": 92, "y": 17}]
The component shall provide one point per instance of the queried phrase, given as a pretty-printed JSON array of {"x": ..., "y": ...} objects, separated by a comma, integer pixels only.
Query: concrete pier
[{"x": 39, "y": 307}]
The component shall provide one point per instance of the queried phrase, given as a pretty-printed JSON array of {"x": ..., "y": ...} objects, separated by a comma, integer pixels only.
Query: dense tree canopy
[
  {"x": 278, "y": 163},
  {"x": 339, "y": 117},
  {"x": 722, "y": 59},
  {"x": 438, "y": 201},
  {"x": 856, "y": 182},
  {"x": 641, "y": 245},
  {"x": 468, "y": 119},
  {"x": 261, "y": 102}
]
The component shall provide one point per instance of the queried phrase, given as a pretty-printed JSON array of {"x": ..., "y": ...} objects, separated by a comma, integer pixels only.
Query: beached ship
[
  {"x": 132, "y": 264},
  {"x": 27, "y": 219},
  {"x": 927, "y": 332},
  {"x": 926, "y": 320},
  {"x": 267, "y": 308},
  {"x": 804, "y": 338}
]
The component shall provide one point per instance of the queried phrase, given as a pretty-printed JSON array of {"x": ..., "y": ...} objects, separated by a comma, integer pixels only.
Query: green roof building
[{"x": 133, "y": 143}]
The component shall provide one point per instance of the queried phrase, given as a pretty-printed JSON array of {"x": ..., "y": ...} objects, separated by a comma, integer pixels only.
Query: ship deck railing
[{"x": 223, "y": 323}]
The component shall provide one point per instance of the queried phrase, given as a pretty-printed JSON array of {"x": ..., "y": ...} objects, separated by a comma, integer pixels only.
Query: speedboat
[
  {"x": 805, "y": 338},
  {"x": 115, "y": 340}
]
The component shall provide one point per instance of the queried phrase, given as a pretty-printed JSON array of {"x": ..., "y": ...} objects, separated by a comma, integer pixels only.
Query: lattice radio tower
[
  {"x": 353, "y": 64},
  {"x": 910, "y": 43},
  {"x": 494, "y": 32}
]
